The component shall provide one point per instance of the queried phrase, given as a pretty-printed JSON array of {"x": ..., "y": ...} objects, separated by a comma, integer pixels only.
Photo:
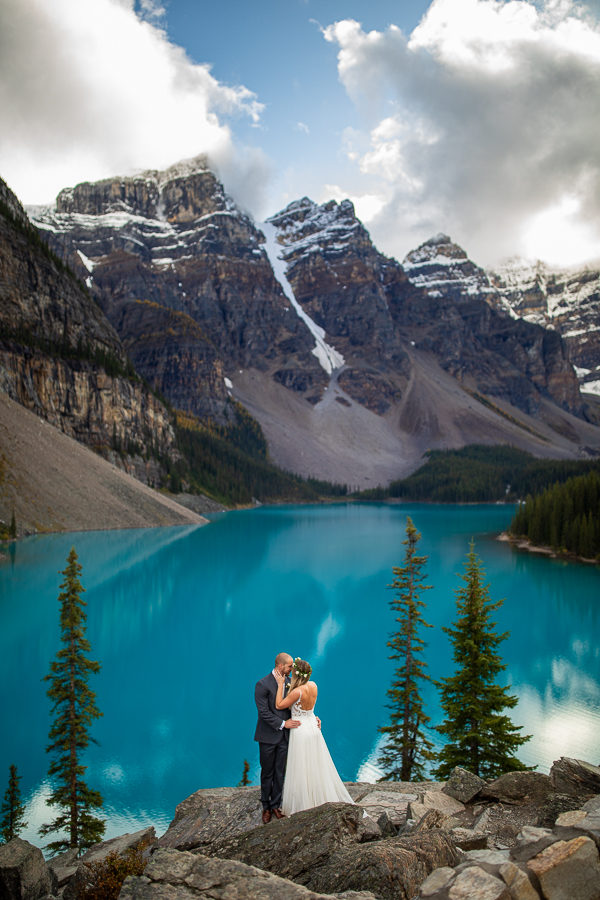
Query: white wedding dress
[{"x": 310, "y": 776}]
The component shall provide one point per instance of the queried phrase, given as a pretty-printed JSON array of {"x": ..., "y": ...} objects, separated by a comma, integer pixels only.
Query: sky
[{"x": 476, "y": 118}]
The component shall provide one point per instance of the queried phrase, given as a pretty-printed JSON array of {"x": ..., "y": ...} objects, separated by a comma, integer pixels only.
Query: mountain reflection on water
[{"x": 185, "y": 620}]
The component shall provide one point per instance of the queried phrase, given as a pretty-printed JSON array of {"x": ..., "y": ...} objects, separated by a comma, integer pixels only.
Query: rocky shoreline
[
  {"x": 522, "y": 836},
  {"x": 521, "y": 543}
]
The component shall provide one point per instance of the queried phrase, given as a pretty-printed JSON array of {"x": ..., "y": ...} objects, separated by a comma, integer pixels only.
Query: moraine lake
[{"x": 185, "y": 620}]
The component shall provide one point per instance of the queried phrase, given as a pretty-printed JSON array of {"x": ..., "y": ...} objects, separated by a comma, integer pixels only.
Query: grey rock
[
  {"x": 433, "y": 818},
  {"x": 488, "y": 860},
  {"x": 468, "y": 839},
  {"x": 554, "y": 805},
  {"x": 294, "y": 847},
  {"x": 519, "y": 787},
  {"x": 476, "y": 884},
  {"x": 64, "y": 865},
  {"x": 531, "y": 841},
  {"x": 463, "y": 785},
  {"x": 518, "y": 883},
  {"x": 394, "y": 803},
  {"x": 393, "y": 868},
  {"x": 434, "y": 800},
  {"x": 175, "y": 875},
  {"x": 570, "y": 827},
  {"x": 568, "y": 870},
  {"x": 592, "y": 805},
  {"x": 23, "y": 873},
  {"x": 575, "y": 777},
  {"x": 386, "y": 825},
  {"x": 438, "y": 882},
  {"x": 572, "y": 818},
  {"x": 213, "y": 814}
]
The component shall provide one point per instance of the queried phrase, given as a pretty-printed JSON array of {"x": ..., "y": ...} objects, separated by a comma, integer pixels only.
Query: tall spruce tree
[
  {"x": 12, "y": 809},
  {"x": 480, "y": 738},
  {"x": 74, "y": 708},
  {"x": 407, "y": 749}
]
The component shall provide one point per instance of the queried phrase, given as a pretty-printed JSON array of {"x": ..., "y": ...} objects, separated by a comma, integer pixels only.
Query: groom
[{"x": 272, "y": 734}]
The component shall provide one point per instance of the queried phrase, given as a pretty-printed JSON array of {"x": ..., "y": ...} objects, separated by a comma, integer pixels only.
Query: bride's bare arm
[{"x": 280, "y": 701}]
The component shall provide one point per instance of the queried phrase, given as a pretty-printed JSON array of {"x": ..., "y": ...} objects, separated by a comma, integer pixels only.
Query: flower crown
[{"x": 298, "y": 671}]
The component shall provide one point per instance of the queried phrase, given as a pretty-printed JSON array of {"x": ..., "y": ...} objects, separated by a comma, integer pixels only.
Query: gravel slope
[{"x": 54, "y": 483}]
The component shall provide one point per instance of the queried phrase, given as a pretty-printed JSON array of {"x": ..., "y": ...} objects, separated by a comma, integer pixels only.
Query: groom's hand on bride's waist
[{"x": 292, "y": 723}]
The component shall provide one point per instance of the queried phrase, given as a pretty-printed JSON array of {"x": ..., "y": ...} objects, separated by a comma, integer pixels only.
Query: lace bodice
[{"x": 298, "y": 712}]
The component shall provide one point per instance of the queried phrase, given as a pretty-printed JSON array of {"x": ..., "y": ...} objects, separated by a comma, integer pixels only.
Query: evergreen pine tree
[
  {"x": 12, "y": 810},
  {"x": 245, "y": 780},
  {"x": 407, "y": 748},
  {"x": 74, "y": 707},
  {"x": 480, "y": 738},
  {"x": 13, "y": 525}
]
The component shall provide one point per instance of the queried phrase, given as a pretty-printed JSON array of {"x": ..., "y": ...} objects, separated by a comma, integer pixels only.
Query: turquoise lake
[{"x": 185, "y": 620}]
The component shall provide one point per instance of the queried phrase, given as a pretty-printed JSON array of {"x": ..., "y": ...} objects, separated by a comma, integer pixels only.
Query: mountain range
[
  {"x": 353, "y": 364},
  {"x": 137, "y": 301}
]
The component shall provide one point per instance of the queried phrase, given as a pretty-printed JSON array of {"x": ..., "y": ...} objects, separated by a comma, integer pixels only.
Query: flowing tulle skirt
[{"x": 310, "y": 776}]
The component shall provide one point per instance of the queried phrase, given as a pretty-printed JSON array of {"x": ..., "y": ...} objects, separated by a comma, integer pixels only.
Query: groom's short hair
[{"x": 282, "y": 658}]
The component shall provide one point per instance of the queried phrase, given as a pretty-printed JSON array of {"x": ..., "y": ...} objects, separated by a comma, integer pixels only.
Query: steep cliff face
[
  {"x": 566, "y": 301},
  {"x": 177, "y": 242},
  {"x": 460, "y": 321},
  {"x": 61, "y": 358}
]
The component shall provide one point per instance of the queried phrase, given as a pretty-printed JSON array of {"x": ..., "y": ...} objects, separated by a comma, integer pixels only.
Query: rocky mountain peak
[
  {"x": 306, "y": 228},
  {"x": 180, "y": 194},
  {"x": 439, "y": 265}
]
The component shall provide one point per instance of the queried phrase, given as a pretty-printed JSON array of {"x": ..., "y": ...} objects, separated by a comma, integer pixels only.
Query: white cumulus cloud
[
  {"x": 89, "y": 90},
  {"x": 482, "y": 123}
]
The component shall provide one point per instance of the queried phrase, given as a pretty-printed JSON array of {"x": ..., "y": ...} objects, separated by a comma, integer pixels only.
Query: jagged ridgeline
[{"x": 352, "y": 364}]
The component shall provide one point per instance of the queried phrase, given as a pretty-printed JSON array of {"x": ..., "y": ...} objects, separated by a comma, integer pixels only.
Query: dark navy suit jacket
[{"x": 268, "y": 727}]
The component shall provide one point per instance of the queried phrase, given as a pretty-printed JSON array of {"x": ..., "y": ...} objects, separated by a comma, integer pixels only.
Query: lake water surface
[{"x": 185, "y": 620}]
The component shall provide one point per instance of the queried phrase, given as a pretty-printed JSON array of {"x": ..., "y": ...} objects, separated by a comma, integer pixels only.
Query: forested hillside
[
  {"x": 480, "y": 473},
  {"x": 565, "y": 517}
]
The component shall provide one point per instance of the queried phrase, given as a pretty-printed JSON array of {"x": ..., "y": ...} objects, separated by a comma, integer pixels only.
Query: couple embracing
[{"x": 296, "y": 769}]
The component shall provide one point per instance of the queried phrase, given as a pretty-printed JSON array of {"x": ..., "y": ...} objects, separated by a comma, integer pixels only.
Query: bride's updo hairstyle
[{"x": 301, "y": 672}]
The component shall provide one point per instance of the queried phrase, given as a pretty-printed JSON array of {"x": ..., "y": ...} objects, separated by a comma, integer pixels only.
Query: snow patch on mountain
[{"x": 328, "y": 357}]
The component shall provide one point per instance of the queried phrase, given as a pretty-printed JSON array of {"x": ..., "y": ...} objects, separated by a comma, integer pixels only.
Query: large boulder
[
  {"x": 64, "y": 865},
  {"x": 172, "y": 874},
  {"x": 293, "y": 847},
  {"x": 24, "y": 874},
  {"x": 463, "y": 785},
  {"x": 213, "y": 814},
  {"x": 575, "y": 778},
  {"x": 393, "y": 869},
  {"x": 437, "y": 800},
  {"x": 518, "y": 787},
  {"x": 568, "y": 870},
  {"x": 389, "y": 804}
]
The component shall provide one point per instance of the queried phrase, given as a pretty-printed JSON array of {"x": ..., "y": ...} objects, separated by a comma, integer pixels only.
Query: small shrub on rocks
[{"x": 104, "y": 879}]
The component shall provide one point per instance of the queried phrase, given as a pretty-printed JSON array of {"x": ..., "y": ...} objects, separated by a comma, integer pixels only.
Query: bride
[{"x": 310, "y": 776}]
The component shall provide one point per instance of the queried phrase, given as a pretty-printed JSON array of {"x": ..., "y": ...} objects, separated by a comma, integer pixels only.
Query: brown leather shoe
[
  {"x": 278, "y": 814},
  {"x": 266, "y": 816}
]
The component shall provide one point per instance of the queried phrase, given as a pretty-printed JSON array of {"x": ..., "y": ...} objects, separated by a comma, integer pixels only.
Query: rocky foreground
[{"x": 523, "y": 836}]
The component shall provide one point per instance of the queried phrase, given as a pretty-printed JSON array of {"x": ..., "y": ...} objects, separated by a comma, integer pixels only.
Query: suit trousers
[{"x": 273, "y": 758}]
